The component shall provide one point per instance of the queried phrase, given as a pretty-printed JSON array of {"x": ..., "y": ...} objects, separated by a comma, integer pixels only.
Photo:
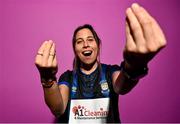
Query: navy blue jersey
[{"x": 89, "y": 87}]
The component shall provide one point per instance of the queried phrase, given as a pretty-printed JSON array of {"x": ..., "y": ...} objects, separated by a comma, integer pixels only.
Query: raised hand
[
  {"x": 144, "y": 37},
  {"x": 46, "y": 61}
]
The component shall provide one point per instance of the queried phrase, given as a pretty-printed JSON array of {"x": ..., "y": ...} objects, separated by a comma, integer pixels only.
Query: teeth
[{"x": 87, "y": 53}]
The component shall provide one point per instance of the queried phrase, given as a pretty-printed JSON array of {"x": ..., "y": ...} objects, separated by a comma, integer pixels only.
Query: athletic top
[{"x": 92, "y": 97}]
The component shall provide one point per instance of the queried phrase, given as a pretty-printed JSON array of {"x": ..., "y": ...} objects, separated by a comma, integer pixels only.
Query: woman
[{"x": 90, "y": 92}]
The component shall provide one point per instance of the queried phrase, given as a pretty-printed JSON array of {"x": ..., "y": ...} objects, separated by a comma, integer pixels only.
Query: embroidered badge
[
  {"x": 105, "y": 89},
  {"x": 74, "y": 89},
  {"x": 104, "y": 86}
]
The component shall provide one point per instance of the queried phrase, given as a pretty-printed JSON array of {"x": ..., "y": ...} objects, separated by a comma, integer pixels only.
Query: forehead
[{"x": 84, "y": 33}]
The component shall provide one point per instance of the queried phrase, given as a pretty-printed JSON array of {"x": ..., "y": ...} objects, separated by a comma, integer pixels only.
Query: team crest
[
  {"x": 74, "y": 89},
  {"x": 104, "y": 86}
]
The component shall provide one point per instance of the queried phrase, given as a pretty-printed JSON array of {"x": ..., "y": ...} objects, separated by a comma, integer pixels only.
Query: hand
[
  {"x": 144, "y": 37},
  {"x": 46, "y": 61}
]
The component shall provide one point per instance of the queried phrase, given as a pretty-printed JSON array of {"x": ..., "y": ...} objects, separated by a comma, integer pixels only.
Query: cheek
[
  {"x": 77, "y": 51},
  {"x": 96, "y": 49}
]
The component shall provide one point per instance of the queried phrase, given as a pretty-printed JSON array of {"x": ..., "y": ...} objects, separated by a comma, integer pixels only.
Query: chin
[{"x": 89, "y": 62}]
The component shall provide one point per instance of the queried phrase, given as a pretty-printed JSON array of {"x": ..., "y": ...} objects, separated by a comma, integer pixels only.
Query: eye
[
  {"x": 90, "y": 39},
  {"x": 79, "y": 41}
]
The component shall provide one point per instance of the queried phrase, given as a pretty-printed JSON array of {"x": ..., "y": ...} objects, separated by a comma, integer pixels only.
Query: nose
[{"x": 86, "y": 44}]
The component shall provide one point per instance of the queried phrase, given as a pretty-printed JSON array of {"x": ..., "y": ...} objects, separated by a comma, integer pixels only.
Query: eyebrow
[
  {"x": 87, "y": 37},
  {"x": 90, "y": 37}
]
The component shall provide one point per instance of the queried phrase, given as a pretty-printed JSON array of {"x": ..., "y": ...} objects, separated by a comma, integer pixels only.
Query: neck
[{"x": 88, "y": 68}]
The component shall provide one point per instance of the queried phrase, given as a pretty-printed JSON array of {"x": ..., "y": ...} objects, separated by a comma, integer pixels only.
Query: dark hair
[{"x": 76, "y": 61}]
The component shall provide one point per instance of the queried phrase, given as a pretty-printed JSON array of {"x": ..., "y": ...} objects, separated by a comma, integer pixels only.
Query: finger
[
  {"x": 42, "y": 47},
  {"x": 145, "y": 21},
  {"x": 152, "y": 31},
  {"x": 39, "y": 54},
  {"x": 53, "y": 49},
  {"x": 46, "y": 52},
  {"x": 51, "y": 55},
  {"x": 135, "y": 27},
  {"x": 157, "y": 30},
  {"x": 130, "y": 45},
  {"x": 54, "y": 63}
]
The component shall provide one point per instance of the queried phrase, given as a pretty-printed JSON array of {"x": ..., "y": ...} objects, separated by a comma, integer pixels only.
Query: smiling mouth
[{"x": 87, "y": 53}]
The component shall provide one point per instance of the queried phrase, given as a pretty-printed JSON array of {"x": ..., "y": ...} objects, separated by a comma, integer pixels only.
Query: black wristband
[
  {"x": 49, "y": 79},
  {"x": 47, "y": 83},
  {"x": 135, "y": 74}
]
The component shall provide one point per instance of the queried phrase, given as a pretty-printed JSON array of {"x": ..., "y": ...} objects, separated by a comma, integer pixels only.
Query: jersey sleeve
[
  {"x": 65, "y": 78},
  {"x": 110, "y": 70},
  {"x": 113, "y": 68}
]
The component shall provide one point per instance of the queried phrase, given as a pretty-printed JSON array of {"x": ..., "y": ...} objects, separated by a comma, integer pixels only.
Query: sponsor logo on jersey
[{"x": 81, "y": 112}]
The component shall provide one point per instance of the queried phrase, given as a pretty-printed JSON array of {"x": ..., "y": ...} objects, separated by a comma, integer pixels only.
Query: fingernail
[
  {"x": 50, "y": 41},
  {"x": 135, "y": 6},
  {"x": 128, "y": 10}
]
